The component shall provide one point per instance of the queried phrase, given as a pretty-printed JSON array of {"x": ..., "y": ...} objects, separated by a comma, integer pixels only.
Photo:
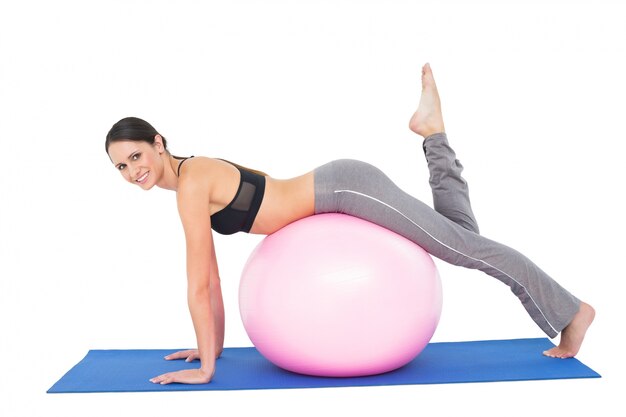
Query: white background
[{"x": 533, "y": 99}]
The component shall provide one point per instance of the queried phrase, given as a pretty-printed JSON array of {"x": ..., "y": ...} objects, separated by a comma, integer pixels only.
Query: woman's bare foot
[
  {"x": 428, "y": 119},
  {"x": 572, "y": 336}
]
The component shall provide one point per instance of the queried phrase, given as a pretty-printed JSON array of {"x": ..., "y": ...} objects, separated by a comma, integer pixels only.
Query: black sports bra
[{"x": 239, "y": 214}]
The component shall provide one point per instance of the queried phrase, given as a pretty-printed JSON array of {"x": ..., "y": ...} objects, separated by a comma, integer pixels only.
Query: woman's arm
[
  {"x": 217, "y": 304},
  {"x": 193, "y": 206},
  {"x": 203, "y": 289}
]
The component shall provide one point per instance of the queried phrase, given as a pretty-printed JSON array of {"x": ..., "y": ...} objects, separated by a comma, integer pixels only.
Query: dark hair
[{"x": 132, "y": 128}]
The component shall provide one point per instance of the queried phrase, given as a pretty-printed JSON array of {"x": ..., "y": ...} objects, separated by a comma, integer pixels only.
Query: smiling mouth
[{"x": 143, "y": 178}]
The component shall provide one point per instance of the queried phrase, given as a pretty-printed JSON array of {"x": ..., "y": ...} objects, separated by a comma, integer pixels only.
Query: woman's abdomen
[{"x": 284, "y": 202}]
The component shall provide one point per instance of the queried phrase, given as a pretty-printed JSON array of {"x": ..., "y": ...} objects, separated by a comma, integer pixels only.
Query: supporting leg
[{"x": 361, "y": 190}]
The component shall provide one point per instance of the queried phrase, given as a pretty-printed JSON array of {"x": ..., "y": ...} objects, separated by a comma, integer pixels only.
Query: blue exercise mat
[{"x": 245, "y": 368}]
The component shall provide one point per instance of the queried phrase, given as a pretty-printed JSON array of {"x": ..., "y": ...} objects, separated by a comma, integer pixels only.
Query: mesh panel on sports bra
[{"x": 244, "y": 198}]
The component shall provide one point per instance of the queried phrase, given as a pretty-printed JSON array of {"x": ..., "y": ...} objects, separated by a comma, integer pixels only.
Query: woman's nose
[{"x": 134, "y": 169}]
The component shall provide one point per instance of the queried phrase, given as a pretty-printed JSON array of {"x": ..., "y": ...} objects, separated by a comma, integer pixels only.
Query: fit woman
[{"x": 213, "y": 193}]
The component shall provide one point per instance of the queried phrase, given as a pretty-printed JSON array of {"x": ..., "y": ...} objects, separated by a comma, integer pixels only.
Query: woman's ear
[{"x": 158, "y": 143}]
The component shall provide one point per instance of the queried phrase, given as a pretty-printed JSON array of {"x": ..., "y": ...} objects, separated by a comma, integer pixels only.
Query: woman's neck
[{"x": 169, "y": 179}]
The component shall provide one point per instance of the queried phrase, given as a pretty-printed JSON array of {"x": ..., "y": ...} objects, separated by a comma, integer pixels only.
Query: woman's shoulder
[
  {"x": 201, "y": 168},
  {"x": 204, "y": 173}
]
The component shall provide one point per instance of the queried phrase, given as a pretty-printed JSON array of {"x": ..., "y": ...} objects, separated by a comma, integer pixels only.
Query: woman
[{"x": 213, "y": 193}]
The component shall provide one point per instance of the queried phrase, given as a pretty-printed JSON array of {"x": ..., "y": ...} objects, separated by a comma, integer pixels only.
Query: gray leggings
[{"x": 449, "y": 232}]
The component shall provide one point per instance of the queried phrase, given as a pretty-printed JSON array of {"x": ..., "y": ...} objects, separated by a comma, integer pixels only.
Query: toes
[
  {"x": 554, "y": 353},
  {"x": 549, "y": 353},
  {"x": 558, "y": 353}
]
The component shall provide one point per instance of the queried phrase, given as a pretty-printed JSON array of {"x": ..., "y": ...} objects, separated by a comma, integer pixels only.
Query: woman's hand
[
  {"x": 187, "y": 355},
  {"x": 187, "y": 376}
]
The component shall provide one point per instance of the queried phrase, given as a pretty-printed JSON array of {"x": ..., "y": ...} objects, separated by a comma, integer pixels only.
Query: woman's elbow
[{"x": 199, "y": 293}]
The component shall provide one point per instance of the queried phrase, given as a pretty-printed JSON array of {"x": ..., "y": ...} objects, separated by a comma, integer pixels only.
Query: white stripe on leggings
[{"x": 451, "y": 248}]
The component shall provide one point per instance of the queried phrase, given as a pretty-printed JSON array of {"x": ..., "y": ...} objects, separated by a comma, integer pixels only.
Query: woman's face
[{"x": 139, "y": 162}]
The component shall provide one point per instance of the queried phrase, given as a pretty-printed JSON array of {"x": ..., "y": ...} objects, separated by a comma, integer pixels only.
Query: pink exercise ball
[{"x": 334, "y": 295}]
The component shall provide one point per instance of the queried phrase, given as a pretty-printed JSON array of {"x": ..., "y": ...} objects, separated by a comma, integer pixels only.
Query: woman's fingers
[
  {"x": 165, "y": 378},
  {"x": 184, "y": 354},
  {"x": 162, "y": 379},
  {"x": 186, "y": 376}
]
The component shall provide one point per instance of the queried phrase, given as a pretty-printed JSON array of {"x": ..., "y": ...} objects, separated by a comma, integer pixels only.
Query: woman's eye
[
  {"x": 121, "y": 167},
  {"x": 136, "y": 156}
]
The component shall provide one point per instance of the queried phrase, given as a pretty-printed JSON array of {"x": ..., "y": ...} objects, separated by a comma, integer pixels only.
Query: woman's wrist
[
  {"x": 208, "y": 371},
  {"x": 207, "y": 366}
]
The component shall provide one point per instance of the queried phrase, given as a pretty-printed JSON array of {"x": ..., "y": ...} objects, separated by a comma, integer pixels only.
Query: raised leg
[{"x": 449, "y": 188}]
